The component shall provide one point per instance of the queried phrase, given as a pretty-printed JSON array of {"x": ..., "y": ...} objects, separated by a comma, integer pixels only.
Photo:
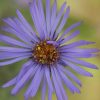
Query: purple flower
[{"x": 50, "y": 59}]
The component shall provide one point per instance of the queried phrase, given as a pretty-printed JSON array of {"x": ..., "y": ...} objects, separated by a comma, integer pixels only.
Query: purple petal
[
  {"x": 11, "y": 23},
  {"x": 48, "y": 15},
  {"x": 83, "y": 63},
  {"x": 78, "y": 55},
  {"x": 14, "y": 49},
  {"x": 24, "y": 30},
  {"x": 74, "y": 34},
  {"x": 15, "y": 32},
  {"x": 57, "y": 88},
  {"x": 23, "y": 81},
  {"x": 36, "y": 18},
  {"x": 49, "y": 95},
  {"x": 69, "y": 29},
  {"x": 56, "y": 22},
  {"x": 13, "y": 61},
  {"x": 42, "y": 27},
  {"x": 44, "y": 89},
  {"x": 76, "y": 44},
  {"x": 59, "y": 81},
  {"x": 26, "y": 24},
  {"x": 11, "y": 41},
  {"x": 24, "y": 69},
  {"x": 68, "y": 83},
  {"x": 65, "y": 17},
  {"x": 53, "y": 42},
  {"x": 9, "y": 55},
  {"x": 28, "y": 92},
  {"x": 47, "y": 75},
  {"x": 53, "y": 12},
  {"x": 77, "y": 69},
  {"x": 41, "y": 10},
  {"x": 81, "y": 50},
  {"x": 26, "y": 98},
  {"x": 16, "y": 27},
  {"x": 71, "y": 75},
  {"x": 10, "y": 83},
  {"x": 90, "y": 50},
  {"x": 43, "y": 21},
  {"x": 36, "y": 82}
]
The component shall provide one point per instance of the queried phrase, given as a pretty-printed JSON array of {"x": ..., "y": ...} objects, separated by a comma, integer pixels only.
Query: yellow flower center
[{"x": 45, "y": 53}]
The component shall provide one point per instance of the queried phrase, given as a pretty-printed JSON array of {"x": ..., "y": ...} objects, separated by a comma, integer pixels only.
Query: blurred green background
[{"x": 87, "y": 11}]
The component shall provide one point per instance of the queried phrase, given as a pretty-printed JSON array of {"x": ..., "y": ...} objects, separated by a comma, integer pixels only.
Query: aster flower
[{"x": 50, "y": 59}]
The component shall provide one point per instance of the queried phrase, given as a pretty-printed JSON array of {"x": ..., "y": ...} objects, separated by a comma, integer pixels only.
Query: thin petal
[
  {"x": 56, "y": 22},
  {"x": 24, "y": 21},
  {"x": 42, "y": 27},
  {"x": 71, "y": 75},
  {"x": 24, "y": 69},
  {"x": 77, "y": 69},
  {"x": 49, "y": 94},
  {"x": 90, "y": 50},
  {"x": 76, "y": 44},
  {"x": 28, "y": 92},
  {"x": 65, "y": 17},
  {"x": 11, "y": 41},
  {"x": 10, "y": 55},
  {"x": 74, "y": 34},
  {"x": 57, "y": 88},
  {"x": 24, "y": 30},
  {"x": 44, "y": 89},
  {"x": 53, "y": 42},
  {"x": 43, "y": 20},
  {"x": 53, "y": 12},
  {"x": 69, "y": 29},
  {"x": 48, "y": 15},
  {"x": 33, "y": 14},
  {"x": 12, "y": 23},
  {"x": 10, "y": 83},
  {"x": 40, "y": 6},
  {"x": 16, "y": 33},
  {"x": 83, "y": 63},
  {"x": 78, "y": 55},
  {"x": 68, "y": 83},
  {"x": 23, "y": 81},
  {"x": 36, "y": 18},
  {"x": 47, "y": 75},
  {"x": 13, "y": 61},
  {"x": 14, "y": 49},
  {"x": 59, "y": 81},
  {"x": 36, "y": 82},
  {"x": 81, "y": 50}
]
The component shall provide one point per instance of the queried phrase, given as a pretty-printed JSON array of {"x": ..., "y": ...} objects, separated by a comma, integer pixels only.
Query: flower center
[{"x": 45, "y": 53}]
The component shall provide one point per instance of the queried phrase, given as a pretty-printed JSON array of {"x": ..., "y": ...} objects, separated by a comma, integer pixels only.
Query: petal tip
[
  {"x": 13, "y": 93},
  {"x": 91, "y": 75}
]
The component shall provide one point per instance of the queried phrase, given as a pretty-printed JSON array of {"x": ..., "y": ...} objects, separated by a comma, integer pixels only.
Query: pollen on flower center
[{"x": 45, "y": 53}]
